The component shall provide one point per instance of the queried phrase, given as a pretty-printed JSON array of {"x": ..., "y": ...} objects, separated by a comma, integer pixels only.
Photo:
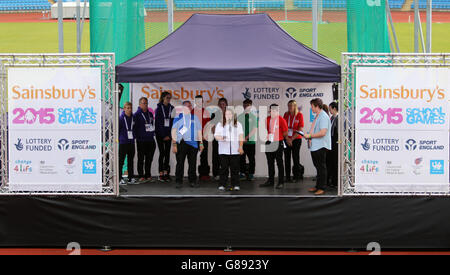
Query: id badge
[
  {"x": 149, "y": 127},
  {"x": 291, "y": 132},
  {"x": 130, "y": 134},
  {"x": 271, "y": 137},
  {"x": 183, "y": 130},
  {"x": 167, "y": 122}
]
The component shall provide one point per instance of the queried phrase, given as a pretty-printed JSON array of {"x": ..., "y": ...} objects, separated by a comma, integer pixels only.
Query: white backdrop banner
[
  {"x": 263, "y": 94},
  {"x": 55, "y": 132},
  {"x": 402, "y": 129}
]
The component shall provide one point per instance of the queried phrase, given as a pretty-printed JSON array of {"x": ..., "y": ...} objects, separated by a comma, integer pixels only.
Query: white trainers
[
  {"x": 237, "y": 188},
  {"x": 221, "y": 188},
  {"x": 123, "y": 182},
  {"x": 133, "y": 181}
]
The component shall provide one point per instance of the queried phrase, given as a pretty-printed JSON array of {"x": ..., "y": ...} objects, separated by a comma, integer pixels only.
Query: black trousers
[
  {"x": 126, "y": 151},
  {"x": 332, "y": 166},
  {"x": 294, "y": 153},
  {"x": 319, "y": 159},
  {"x": 203, "y": 169},
  {"x": 229, "y": 164},
  {"x": 275, "y": 154},
  {"x": 164, "y": 147},
  {"x": 249, "y": 152},
  {"x": 215, "y": 158},
  {"x": 146, "y": 151},
  {"x": 189, "y": 152}
]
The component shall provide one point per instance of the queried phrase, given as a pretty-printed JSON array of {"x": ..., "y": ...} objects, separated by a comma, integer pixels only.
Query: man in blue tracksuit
[
  {"x": 145, "y": 139},
  {"x": 187, "y": 141},
  {"x": 126, "y": 142}
]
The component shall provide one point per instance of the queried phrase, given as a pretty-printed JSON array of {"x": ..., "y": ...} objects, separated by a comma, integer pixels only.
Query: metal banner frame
[
  {"x": 105, "y": 61},
  {"x": 351, "y": 61}
]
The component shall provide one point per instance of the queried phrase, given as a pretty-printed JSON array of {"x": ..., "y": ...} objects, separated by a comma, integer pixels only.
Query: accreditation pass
[{"x": 211, "y": 266}]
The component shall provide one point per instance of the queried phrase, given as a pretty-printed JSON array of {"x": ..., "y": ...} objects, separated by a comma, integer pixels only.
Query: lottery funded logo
[
  {"x": 34, "y": 144},
  {"x": 381, "y": 144}
]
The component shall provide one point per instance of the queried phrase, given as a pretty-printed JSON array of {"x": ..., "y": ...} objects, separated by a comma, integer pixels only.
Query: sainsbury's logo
[{"x": 182, "y": 93}]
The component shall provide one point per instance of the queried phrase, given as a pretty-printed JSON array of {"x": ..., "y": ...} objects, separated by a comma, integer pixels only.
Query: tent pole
[
  {"x": 170, "y": 15},
  {"x": 315, "y": 10},
  {"x": 429, "y": 25},
  {"x": 78, "y": 12},
  {"x": 60, "y": 27},
  {"x": 416, "y": 26}
]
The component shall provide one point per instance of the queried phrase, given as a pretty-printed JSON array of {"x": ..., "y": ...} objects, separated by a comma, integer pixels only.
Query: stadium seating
[
  {"x": 435, "y": 4},
  {"x": 24, "y": 5},
  {"x": 228, "y": 4},
  {"x": 342, "y": 4}
]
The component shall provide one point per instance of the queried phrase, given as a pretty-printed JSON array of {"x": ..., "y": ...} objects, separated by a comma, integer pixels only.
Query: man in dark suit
[{"x": 333, "y": 155}]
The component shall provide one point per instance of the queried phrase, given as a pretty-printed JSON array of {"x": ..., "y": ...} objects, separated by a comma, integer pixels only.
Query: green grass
[{"x": 43, "y": 37}]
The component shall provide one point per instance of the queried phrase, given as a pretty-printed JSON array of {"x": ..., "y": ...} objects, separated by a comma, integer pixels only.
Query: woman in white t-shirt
[{"x": 230, "y": 135}]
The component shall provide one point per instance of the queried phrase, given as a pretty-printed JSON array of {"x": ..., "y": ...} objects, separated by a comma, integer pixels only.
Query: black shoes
[{"x": 267, "y": 184}]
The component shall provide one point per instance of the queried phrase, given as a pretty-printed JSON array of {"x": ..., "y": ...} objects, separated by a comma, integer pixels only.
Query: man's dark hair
[
  {"x": 273, "y": 106},
  {"x": 248, "y": 101},
  {"x": 222, "y": 99},
  {"x": 334, "y": 105},
  {"x": 186, "y": 101},
  {"x": 199, "y": 96},
  {"x": 317, "y": 102}
]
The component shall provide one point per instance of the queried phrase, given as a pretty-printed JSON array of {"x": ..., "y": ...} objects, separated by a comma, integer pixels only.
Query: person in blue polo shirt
[
  {"x": 319, "y": 139},
  {"x": 187, "y": 141},
  {"x": 145, "y": 139}
]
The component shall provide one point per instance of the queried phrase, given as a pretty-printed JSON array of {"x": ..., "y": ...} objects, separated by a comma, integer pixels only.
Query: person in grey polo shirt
[{"x": 319, "y": 141}]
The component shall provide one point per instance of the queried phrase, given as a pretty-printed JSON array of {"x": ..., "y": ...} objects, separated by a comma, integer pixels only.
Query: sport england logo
[
  {"x": 89, "y": 166},
  {"x": 411, "y": 145},
  {"x": 247, "y": 94},
  {"x": 19, "y": 145},
  {"x": 291, "y": 92},
  {"x": 63, "y": 144},
  {"x": 436, "y": 167}
]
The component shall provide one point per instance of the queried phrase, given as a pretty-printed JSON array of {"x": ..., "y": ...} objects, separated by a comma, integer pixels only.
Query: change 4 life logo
[
  {"x": 89, "y": 166},
  {"x": 23, "y": 167},
  {"x": 370, "y": 167}
]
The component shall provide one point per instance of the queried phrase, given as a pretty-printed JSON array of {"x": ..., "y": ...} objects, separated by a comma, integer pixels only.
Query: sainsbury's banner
[
  {"x": 402, "y": 129},
  {"x": 55, "y": 133},
  {"x": 263, "y": 94}
]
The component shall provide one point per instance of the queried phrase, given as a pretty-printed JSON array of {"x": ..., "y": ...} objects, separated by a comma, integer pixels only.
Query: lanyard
[
  {"x": 274, "y": 125},
  {"x": 291, "y": 126},
  {"x": 126, "y": 124},
  {"x": 144, "y": 118},
  {"x": 164, "y": 114}
]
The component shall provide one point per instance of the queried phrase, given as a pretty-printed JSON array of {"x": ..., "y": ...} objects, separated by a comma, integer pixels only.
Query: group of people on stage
[{"x": 184, "y": 132}]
